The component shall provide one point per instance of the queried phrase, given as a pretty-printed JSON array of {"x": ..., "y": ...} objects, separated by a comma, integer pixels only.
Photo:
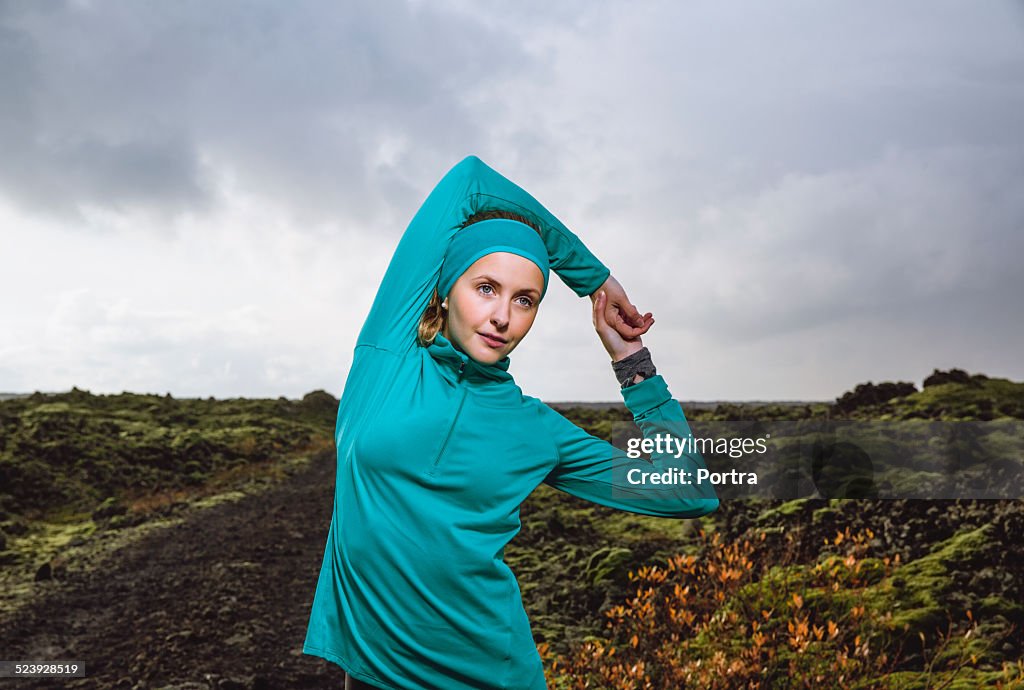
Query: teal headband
[{"x": 487, "y": 237}]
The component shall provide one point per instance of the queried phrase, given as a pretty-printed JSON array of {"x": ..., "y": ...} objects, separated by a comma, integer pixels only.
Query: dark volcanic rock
[
  {"x": 867, "y": 394},
  {"x": 938, "y": 378}
]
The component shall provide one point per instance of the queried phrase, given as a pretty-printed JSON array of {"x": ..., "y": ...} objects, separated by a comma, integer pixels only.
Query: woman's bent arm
[
  {"x": 594, "y": 469},
  {"x": 469, "y": 187}
]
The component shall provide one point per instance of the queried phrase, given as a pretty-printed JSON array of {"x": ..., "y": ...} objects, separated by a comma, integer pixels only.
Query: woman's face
[{"x": 491, "y": 307}]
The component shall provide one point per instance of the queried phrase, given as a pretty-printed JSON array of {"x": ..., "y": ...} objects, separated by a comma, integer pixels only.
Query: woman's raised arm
[{"x": 469, "y": 187}]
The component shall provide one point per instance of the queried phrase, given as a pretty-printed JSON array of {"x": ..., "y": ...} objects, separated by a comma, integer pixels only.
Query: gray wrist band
[{"x": 637, "y": 363}]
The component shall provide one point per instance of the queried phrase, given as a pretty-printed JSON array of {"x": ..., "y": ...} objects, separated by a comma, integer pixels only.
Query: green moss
[
  {"x": 822, "y": 515},
  {"x": 998, "y": 606},
  {"x": 786, "y": 510},
  {"x": 964, "y": 679},
  {"x": 915, "y": 593},
  {"x": 217, "y": 499},
  {"x": 75, "y": 449},
  {"x": 607, "y": 563},
  {"x": 979, "y": 399}
]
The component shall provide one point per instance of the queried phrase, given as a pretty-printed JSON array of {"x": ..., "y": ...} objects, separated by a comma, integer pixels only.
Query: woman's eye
[
  {"x": 487, "y": 287},
  {"x": 526, "y": 302}
]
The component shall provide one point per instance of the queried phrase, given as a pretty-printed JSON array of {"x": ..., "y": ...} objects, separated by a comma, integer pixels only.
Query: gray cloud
[
  {"x": 330, "y": 109},
  {"x": 893, "y": 237}
]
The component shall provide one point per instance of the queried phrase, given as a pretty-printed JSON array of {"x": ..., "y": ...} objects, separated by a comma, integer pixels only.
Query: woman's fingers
[
  {"x": 620, "y": 314},
  {"x": 629, "y": 316},
  {"x": 601, "y": 312},
  {"x": 610, "y": 337},
  {"x": 632, "y": 315},
  {"x": 628, "y": 331},
  {"x": 647, "y": 323},
  {"x": 598, "y": 310}
]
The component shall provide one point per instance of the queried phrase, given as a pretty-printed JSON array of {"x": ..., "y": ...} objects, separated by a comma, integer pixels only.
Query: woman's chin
[{"x": 489, "y": 357}]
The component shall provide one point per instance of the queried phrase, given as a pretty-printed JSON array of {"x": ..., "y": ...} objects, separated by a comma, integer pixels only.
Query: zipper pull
[{"x": 462, "y": 368}]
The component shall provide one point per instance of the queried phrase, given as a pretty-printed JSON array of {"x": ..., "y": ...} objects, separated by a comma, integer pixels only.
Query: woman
[{"x": 438, "y": 447}]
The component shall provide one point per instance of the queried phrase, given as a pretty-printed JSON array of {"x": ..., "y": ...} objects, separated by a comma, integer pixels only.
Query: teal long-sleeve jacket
[{"x": 436, "y": 452}]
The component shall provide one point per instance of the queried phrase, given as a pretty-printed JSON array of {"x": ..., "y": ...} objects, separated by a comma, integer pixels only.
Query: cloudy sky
[{"x": 201, "y": 198}]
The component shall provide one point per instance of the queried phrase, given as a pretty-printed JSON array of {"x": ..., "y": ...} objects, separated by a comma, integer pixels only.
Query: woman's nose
[{"x": 500, "y": 315}]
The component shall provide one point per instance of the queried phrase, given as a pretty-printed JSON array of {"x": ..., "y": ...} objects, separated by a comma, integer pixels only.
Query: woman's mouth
[{"x": 492, "y": 340}]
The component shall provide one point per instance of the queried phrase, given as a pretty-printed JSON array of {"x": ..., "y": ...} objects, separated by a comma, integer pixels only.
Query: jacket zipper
[{"x": 458, "y": 410}]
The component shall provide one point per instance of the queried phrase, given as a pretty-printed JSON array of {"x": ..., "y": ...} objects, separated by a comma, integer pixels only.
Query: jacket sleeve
[
  {"x": 469, "y": 187},
  {"x": 593, "y": 469}
]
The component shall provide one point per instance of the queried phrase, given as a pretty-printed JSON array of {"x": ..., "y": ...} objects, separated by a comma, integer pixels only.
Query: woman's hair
[{"x": 433, "y": 319}]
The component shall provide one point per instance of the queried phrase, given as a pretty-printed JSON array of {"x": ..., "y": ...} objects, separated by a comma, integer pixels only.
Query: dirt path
[{"x": 219, "y": 600}]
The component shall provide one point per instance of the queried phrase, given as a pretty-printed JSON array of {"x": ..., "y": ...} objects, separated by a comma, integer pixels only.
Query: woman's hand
[
  {"x": 617, "y": 346},
  {"x": 620, "y": 313}
]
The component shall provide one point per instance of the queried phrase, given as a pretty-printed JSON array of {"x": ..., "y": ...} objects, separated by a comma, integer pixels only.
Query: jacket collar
[{"x": 454, "y": 361}]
